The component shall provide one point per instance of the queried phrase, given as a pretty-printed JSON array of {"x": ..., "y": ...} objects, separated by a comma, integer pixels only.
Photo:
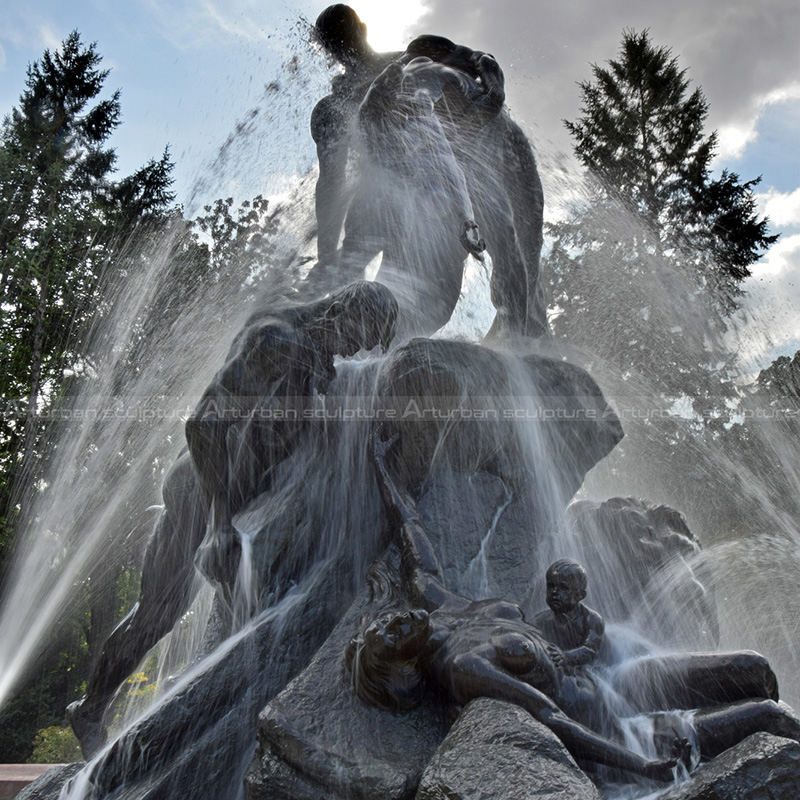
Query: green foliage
[
  {"x": 50, "y": 687},
  {"x": 643, "y": 271},
  {"x": 242, "y": 240},
  {"x": 136, "y": 694},
  {"x": 728, "y": 236},
  {"x": 640, "y": 133},
  {"x": 646, "y": 267},
  {"x": 63, "y": 219},
  {"x": 779, "y": 383},
  {"x": 65, "y": 224},
  {"x": 55, "y": 745},
  {"x": 20, "y": 718},
  {"x": 70, "y": 233},
  {"x": 641, "y": 137}
]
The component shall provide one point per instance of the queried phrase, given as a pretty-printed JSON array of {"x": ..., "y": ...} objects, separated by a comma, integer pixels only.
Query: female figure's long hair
[{"x": 388, "y": 685}]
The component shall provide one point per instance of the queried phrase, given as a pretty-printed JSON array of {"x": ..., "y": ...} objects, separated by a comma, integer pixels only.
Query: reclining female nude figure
[{"x": 465, "y": 649}]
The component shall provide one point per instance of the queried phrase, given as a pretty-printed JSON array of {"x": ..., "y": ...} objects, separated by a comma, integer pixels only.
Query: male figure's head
[
  {"x": 566, "y": 586},
  {"x": 343, "y": 34},
  {"x": 360, "y": 316}
]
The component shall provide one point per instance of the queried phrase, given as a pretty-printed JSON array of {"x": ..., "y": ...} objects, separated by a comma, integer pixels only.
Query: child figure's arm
[{"x": 595, "y": 632}]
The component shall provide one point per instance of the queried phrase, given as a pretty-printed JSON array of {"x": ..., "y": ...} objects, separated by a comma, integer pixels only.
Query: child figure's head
[{"x": 566, "y": 585}]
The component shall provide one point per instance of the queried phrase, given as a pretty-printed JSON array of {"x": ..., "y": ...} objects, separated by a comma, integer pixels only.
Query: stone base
[
  {"x": 762, "y": 767},
  {"x": 498, "y": 750},
  {"x": 317, "y": 739}
]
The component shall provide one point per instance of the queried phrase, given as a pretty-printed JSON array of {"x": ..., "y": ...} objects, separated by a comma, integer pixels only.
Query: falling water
[
  {"x": 475, "y": 582},
  {"x": 118, "y": 436},
  {"x": 300, "y": 546},
  {"x": 736, "y": 487},
  {"x": 124, "y": 426}
]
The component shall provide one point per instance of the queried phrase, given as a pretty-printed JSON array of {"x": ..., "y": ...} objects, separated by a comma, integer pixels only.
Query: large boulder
[
  {"x": 316, "y": 738},
  {"x": 488, "y": 541},
  {"x": 532, "y": 419},
  {"x": 49, "y": 784},
  {"x": 646, "y": 570},
  {"x": 762, "y": 767},
  {"x": 498, "y": 750},
  {"x": 494, "y": 446},
  {"x": 487, "y": 494},
  {"x": 198, "y": 741}
]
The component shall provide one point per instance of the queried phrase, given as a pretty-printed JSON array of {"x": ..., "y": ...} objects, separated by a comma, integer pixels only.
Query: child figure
[{"x": 574, "y": 630}]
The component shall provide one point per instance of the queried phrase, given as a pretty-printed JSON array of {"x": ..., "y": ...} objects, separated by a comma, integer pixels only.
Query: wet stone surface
[
  {"x": 498, "y": 750},
  {"x": 762, "y": 767}
]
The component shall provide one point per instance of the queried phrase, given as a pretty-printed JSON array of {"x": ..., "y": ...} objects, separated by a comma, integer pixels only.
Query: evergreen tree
[
  {"x": 62, "y": 219},
  {"x": 68, "y": 229},
  {"x": 645, "y": 270},
  {"x": 641, "y": 136},
  {"x": 779, "y": 383}
]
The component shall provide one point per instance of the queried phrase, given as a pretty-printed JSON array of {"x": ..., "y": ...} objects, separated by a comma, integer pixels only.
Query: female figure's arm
[{"x": 420, "y": 564}]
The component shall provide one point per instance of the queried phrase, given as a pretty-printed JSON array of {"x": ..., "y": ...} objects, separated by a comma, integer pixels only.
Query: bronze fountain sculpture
[{"x": 421, "y": 164}]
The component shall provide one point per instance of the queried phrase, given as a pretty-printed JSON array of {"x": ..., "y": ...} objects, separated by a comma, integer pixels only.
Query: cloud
[
  {"x": 782, "y": 260},
  {"x": 742, "y": 54},
  {"x": 782, "y": 208},
  {"x": 29, "y": 29},
  {"x": 238, "y": 22},
  {"x": 734, "y": 137},
  {"x": 48, "y": 36},
  {"x": 769, "y": 324},
  {"x": 189, "y": 25}
]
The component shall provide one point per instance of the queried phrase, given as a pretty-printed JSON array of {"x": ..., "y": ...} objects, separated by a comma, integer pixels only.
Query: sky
[{"x": 229, "y": 86}]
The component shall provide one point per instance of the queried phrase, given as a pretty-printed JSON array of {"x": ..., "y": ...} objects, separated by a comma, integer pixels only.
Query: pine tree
[
  {"x": 641, "y": 137},
  {"x": 646, "y": 269},
  {"x": 68, "y": 229},
  {"x": 62, "y": 219}
]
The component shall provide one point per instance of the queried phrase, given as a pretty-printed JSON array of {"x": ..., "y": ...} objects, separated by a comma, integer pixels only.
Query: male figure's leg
[{"x": 168, "y": 588}]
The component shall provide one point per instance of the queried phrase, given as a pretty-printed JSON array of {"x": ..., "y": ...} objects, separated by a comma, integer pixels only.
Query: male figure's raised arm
[{"x": 329, "y": 130}]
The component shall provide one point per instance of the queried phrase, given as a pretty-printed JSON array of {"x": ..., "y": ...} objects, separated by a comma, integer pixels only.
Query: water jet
[{"x": 277, "y": 501}]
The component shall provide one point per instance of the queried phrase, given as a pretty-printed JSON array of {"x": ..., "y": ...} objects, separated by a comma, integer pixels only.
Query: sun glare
[{"x": 387, "y": 23}]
